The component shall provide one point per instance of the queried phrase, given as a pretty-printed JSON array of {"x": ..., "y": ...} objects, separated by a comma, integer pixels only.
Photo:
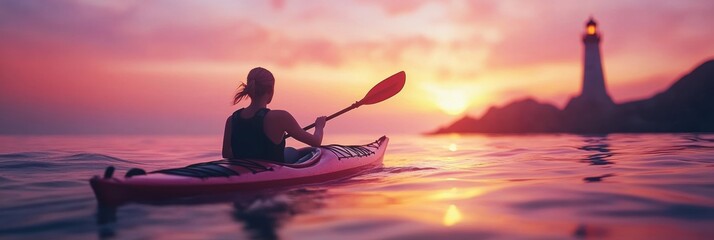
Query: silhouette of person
[{"x": 258, "y": 132}]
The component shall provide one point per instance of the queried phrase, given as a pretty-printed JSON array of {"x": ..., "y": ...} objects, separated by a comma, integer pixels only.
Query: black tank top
[{"x": 248, "y": 139}]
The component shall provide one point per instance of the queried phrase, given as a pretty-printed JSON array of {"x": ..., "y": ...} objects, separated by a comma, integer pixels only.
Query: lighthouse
[
  {"x": 593, "y": 94},
  {"x": 593, "y": 77}
]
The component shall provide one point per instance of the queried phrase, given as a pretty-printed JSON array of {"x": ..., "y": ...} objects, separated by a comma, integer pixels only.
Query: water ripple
[
  {"x": 92, "y": 157},
  {"x": 25, "y": 164},
  {"x": 405, "y": 169},
  {"x": 25, "y": 155}
]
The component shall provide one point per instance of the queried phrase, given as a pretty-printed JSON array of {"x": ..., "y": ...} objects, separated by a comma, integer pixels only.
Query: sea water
[{"x": 617, "y": 186}]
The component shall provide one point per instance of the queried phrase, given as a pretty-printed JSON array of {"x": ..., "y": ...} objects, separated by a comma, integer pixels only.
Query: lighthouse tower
[
  {"x": 593, "y": 77},
  {"x": 593, "y": 94}
]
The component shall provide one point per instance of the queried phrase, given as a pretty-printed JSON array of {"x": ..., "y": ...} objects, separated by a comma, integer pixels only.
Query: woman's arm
[{"x": 291, "y": 126}]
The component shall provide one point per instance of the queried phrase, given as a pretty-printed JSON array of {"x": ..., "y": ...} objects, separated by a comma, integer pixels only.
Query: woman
[{"x": 259, "y": 133}]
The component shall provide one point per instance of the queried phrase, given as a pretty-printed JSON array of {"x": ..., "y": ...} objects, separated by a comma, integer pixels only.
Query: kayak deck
[{"x": 321, "y": 164}]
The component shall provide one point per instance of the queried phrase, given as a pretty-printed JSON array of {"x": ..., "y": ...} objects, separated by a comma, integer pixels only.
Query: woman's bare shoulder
[{"x": 279, "y": 114}]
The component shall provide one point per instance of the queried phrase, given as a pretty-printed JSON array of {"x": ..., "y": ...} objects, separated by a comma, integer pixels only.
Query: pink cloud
[
  {"x": 237, "y": 40},
  {"x": 534, "y": 33},
  {"x": 398, "y": 7},
  {"x": 476, "y": 13},
  {"x": 389, "y": 51},
  {"x": 277, "y": 4}
]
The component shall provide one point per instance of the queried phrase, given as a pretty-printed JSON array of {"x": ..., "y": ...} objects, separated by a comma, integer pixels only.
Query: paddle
[{"x": 380, "y": 92}]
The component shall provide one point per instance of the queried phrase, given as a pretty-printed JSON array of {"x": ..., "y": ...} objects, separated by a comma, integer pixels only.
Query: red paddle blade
[{"x": 385, "y": 89}]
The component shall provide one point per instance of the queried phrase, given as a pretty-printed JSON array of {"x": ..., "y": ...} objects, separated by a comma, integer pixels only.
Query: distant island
[{"x": 687, "y": 106}]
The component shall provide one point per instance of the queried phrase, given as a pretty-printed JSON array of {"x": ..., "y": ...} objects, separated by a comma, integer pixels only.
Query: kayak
[{"x": 317, "y": 165}]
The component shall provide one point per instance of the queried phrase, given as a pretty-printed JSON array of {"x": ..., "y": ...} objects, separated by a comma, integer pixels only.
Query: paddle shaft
[
  {"x": 380, "y": 92},
  {"x": 334, "y": 115}
]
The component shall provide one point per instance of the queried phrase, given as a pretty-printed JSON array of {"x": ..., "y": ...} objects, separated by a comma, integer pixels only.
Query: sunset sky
[{"x": 171, "y": 67}]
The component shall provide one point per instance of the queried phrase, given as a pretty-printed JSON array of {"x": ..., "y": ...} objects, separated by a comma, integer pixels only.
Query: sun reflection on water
[
  {"x": 456, "y": 193},
  {"x": 453, "y": 147},
  {"x": 452, "y": 216}
]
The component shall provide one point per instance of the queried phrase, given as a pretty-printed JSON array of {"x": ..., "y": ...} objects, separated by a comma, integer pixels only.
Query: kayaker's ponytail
[
  {"x": 260, "y": 81},
  {"x": 241, "y": 94}
]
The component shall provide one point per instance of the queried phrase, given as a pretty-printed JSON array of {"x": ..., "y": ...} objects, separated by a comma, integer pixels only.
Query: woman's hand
[{"x": 320, "y": 122}]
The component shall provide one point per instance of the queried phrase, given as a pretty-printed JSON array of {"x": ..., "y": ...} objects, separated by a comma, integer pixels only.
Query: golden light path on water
[
  {"x": 453, "y": 147},
  {"x": 452, "y": 216}
]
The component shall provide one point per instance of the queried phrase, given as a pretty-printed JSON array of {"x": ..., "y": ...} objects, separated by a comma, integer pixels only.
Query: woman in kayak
[{"x": 259, "y": 133}]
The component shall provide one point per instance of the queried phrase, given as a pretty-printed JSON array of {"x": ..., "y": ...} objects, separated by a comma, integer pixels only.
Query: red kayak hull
[{"x": 325, "y": 165}]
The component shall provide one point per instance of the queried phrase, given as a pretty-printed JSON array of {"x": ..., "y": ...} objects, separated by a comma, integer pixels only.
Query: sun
[
  {"x": 453, "y": 102},
  {"x": 451, "y": 98}
]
